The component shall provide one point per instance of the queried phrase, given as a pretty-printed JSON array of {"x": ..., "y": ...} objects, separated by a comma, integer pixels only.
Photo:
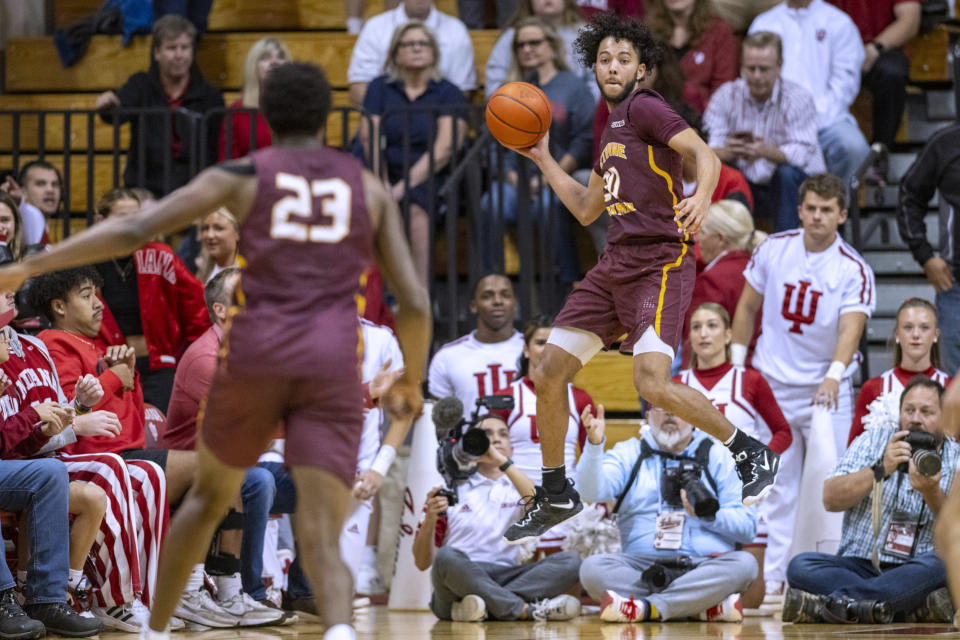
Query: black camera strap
[{"x": 702, "y": 457}]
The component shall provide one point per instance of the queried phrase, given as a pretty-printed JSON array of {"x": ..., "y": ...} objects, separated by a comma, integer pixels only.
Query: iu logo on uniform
[
  {"x": 498, "y": 384},
  {"x": 797, "y": 316}
]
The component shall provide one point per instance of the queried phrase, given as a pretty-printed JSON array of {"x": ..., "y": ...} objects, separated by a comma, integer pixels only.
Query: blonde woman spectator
[
  {"x": 263, "y": 56},
  {"x": 220, "y": 235},
  {"x": 563, "y": 16},
  {"x": 726, "y": 241},
  {"x": 11, "y": 226},
  {"x": 412, "y": 78}
]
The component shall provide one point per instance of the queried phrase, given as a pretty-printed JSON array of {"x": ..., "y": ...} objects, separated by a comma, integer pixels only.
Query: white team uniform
[
  {"x": 804, "y": 295},
  {"x": 467, "y": 369},
  {"x": 379, "y": 346}
]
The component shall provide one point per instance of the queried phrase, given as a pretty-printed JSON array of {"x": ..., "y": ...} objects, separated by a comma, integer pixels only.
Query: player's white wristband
[
  {"x": 385, "y": 457},
  {"x": 836, "y": 370},
  {"x": 738, "y": 354}
]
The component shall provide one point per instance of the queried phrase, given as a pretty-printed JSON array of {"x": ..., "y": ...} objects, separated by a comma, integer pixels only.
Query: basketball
[{"x": 518, "y": 114}]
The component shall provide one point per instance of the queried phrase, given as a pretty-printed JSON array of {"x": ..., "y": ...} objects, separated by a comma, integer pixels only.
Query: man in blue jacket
[{"x": 680, "y": 519}]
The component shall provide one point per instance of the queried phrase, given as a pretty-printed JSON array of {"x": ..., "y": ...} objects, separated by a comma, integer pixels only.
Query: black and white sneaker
[
  {"x": 544, "y": 511},
  {"x": 757, "y": 467}
]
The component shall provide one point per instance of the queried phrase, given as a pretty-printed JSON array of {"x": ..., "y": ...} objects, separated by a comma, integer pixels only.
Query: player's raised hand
[
  {"x": 404, "y": 400},
  {"x": 595, "y": 425},
  {"x": 690, "y": 212},
  {"x": 538, "y": 152},
  {"x": 89, "y": 390}
]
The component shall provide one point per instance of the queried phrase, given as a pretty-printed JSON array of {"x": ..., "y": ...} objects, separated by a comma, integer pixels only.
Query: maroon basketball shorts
[
  {"x": 631, "y": 288},
  {"x": 322, "y": 419}
]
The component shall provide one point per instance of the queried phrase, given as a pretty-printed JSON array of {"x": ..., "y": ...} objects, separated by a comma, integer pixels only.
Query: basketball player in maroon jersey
[
  {"x": 643, "y": 281},
  {"x": 311, "y": 220},
  {"x": 947, "y": 533}
]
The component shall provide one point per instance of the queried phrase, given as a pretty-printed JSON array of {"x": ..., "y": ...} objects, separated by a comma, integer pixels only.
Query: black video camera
[
  {"x": 924, "y": 453},
  {"x": 461, "y": 445},
  {"x": 686, "y": 476},
  {"x": 661, "y": 573}
]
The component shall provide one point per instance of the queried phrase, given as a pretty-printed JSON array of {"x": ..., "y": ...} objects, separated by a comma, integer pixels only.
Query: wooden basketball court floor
[{"x": 377, "y": 623}]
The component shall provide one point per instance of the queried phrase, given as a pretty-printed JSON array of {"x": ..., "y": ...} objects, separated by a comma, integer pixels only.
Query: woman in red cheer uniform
[
  {"x": 916, "y": 352},
  {"x": 743, "y": 396}
]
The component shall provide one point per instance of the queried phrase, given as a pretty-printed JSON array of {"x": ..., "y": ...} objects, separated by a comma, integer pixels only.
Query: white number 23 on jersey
[{"x": 291, "y": 215}]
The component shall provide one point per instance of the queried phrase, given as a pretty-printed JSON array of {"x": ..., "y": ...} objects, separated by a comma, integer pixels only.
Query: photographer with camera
[
  {"x": 891, "y": 484},
  {"x": 475, "y": 574},
  {"x": 680, "y": 516}
]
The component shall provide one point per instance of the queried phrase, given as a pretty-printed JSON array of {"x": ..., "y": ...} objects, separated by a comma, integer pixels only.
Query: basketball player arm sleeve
[
  {"x": 122, "y": 235},
  {"x": 602, "y": 476},
  {"x": 733, "y": 520}
]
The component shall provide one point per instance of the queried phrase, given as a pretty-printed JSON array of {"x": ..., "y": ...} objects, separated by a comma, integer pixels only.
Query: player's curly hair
[
  {"x": 606, "y": 24},
  {"x": 296, "y": 99},
  {"x": 42, "y": 290}
]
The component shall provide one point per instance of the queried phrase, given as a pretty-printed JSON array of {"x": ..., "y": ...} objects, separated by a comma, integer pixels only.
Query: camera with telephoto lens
[
  {"x": 460, "y": 444},
  {"x": 923, "y": 452},
  {"x": 686, "y": 476}
]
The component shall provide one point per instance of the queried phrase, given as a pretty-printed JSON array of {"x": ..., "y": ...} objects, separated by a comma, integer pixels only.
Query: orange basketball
[{"x": 518, "y": 114}]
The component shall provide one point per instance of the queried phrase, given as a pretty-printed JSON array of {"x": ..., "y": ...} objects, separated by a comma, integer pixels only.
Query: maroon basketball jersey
[
  {"x": 642, "y": 176},
  {"x": 304, "y": 246}
]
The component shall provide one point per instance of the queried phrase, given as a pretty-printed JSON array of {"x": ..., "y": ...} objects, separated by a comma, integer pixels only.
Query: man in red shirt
[
  {"x": 885, "y": 26},
  {"x": 69, "y": 301}
]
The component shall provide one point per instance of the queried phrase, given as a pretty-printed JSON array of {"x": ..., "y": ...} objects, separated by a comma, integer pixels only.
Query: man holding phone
[{"x": 766, "y": 127}]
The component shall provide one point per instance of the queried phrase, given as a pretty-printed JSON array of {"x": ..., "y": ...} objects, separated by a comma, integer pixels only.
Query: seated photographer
[
  {"x": 680, "y": 517},
  {"x": 884, "y": 568},
  {"x": 475, "y": 573}
]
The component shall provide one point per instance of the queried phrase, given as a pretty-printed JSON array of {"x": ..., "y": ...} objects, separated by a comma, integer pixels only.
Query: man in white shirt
[
  {"x": 485, "y": 361},
  {"x": 475, "y": 573},
  {"x": 823, "y": 53},
  {"x": 370, "y": 51},
  {"x": 816, "y": 294}
]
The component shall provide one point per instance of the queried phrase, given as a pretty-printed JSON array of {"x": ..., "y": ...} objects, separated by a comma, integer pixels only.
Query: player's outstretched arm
[
  {"x": 414, "y": 321},
  {"x": 584, "y": 202},
  {"x": 691, "y": 146},
  {"x": 121, "y": 236}
]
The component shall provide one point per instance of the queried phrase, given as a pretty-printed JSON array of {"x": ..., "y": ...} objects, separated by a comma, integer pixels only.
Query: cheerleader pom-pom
[{"x": 591, "y": 533}]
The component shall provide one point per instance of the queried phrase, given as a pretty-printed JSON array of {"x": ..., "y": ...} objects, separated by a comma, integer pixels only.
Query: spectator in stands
[
  {"x": 885, "y": 27},
  {"x": 11, "y": 226},
  {"x": 264, "y": 55},
  {"x": 355, "y": 9},
  {"x": 538, "y": 56},
  {"x": 629, "y": 8},
  {"x": 822, "y": 53},
  {"x": 766, "y": 126},
  {"x": 127, "y": 543},
  {"x": 40, "y": 488},
  {"x": 413, "y": 79},
  {"x": 220, "y": 234},
  {"x": 676, "y": 561},
  {"x": 807, "y": 350},
  {"x": 153, "y": 304},
  {"x": 565, "y": 19},
  {"x": 41, "y": 187},
  {"x": 726, "y": 240},
  {"x": 484, "y": 361},
  {"x": 174, "y": 80},
  {"x": 916, "y": 352},
  {"x": 190, "y": 387},
  {"x": 475, "y": 573},
  {"x": 68, "y": 299},
  {"x": 453, "y": 50},
  {"x": 747, "y": 402},
  {"x": 700, "y": 40},
  {"x": 886, "y": 565},
  {"x": 936, "y": 169}
]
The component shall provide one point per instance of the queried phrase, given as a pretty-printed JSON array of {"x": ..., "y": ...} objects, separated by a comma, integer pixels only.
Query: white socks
[
  {"x": 74, "y": 578},
  {"x": 146, "y": 633},
  {"x": 195, "y": 581},
  {"x": 340, "y": 632},
  {"x": 228, "y": 586}
]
